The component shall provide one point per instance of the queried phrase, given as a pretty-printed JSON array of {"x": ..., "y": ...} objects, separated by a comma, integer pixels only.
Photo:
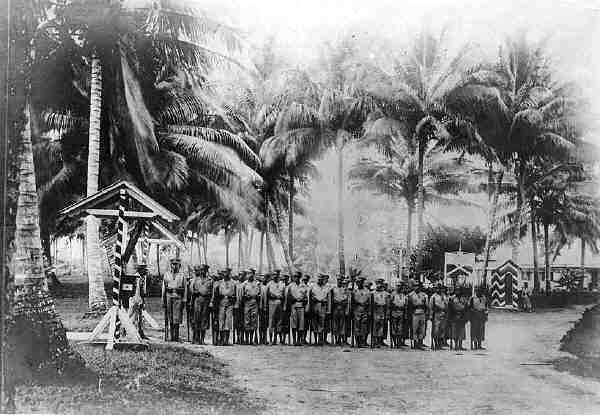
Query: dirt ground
[{"x": 514, "y": 375}]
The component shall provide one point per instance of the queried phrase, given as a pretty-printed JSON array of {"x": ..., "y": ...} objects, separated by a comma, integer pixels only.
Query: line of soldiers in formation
[{"x": 265, "y": 309}]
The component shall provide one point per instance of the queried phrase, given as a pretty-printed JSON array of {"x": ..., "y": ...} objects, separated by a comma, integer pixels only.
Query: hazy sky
[{"x": 300, "y": 27}]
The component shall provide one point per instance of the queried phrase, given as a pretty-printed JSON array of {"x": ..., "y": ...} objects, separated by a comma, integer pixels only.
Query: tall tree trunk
[
  {"x": 278, "y": 235},
  {"x": 291, "y": 219},
  {"x": 270, "y": 253},
  {"x": 261, "y": 252},
  {"x": 240, "y": 261},
  {"x": 158, "y": 259},
  {"x": 28, "y": 259},
  {"x": 97, "y": 296},
  {"x": 491, "y": 225},
  {"x": 547, "y": 258},
  {"x": 534, "y": 237},
  {"x": 249, "y": 245},
  {"x": 205, "y": 247},
  {"x": 409, "y": 223},
  {"x": 516, "y": 236},
  {"x": 340, "y": 200},
  {"x": 421, "y": 143},
  {"x": 227, "y": 240}
]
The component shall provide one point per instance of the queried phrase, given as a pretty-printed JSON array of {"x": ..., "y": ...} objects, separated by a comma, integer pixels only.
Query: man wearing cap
[
  {"x": 438, "y": 308},
  {"x": 339, "y": 309},
  {"x": 284, "y": 331},
  {"x": 361, "y": 306},
  {"x": 174, "y": 296},
  {"x": 417, "y": 302},
  {"x": 296, "y": 301},
  {"x": 250, "y": 293},
  {"x": 238, "y": 308},
  {"x": 275, "y": 295},
  {"x": 263, "y": 322},
  {"x": 319, "y": 306},
  {"x": 308, "y": 324},
  {"x": 381, "y": 300},
  {"x": 200, "y": 291},
  {"x": 478, "y": 314},
  {"x": 224, "y": 300},
  {"x": 457, "y": 311},
  {"x": 398, "y": 302},
  {"x": 137, "y": 303}
]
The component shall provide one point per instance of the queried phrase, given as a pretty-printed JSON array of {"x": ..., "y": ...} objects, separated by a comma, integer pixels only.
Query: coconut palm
[{"x": 394, "y": 172}]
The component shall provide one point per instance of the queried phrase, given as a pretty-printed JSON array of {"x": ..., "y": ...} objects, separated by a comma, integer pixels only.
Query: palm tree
[
  {"x": 420, "y": 91},
  {"x": 394, "y": 173},
  {"x": 531, "y": 115}
]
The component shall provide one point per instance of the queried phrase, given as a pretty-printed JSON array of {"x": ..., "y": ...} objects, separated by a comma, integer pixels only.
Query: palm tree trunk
[
  {"x": 240, "y": 261},
  {"x": 158, "y": 259},
  {"x": 420, "y": 199},
  {"x": 340, "y": 200},
  {"x": 547, "y": 258},
  {"x": 270, "y": 253},
  {"x": 409, "y": 223},
  {"x": 261, "y": 252},
  {"x": 582, "y": 263},
  {"x": 28, "y": 259},
  {"x": 516, "y": 237},
  {"x": 278, "y": 235},
  {"x": 205, "y": 247},
  {"x": 491, "y": 224},
  {"x": 97, "y": 295},
  {"x": 226, "y": 235},
  {"x": 291, "y": 219},
  {"x": 536, "y": 278}
]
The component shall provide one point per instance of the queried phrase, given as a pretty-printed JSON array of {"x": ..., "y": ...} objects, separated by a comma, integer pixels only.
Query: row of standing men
[{"x": 267, "y": 309}]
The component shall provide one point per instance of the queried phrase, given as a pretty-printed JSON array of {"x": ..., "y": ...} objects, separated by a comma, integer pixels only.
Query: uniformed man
[
  {"x": 200, "y": 291},
  {"x": 398, "y": 303},
  {"x": 224, "y": 300},
  {"x": 417, "y": 302},
  {"x": 361, "y": 306},
  {"x": 381, "y": 300},
  {"x": 296, "y": 301},
  {"x": 263, "y": 322},
  {"x": 251, "y": 295},
  {"x": 339, "y": 311},
  {"x": 174, "y": 297},
  {"x": 478, "y": 316},
  {"x": 308, "y": 325},
  {"x": 438, "y": 309},
  {"x": 284, "y": 331},
  {"x": 238, "y": 309},
  {"x": 457, "y": 310},
  {"x": 275, "y": 295},
  {"x": 319, "y": 306}
]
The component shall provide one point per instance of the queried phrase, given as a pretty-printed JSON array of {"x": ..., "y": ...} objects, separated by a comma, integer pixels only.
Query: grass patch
[{"x": 163, "y": 380}]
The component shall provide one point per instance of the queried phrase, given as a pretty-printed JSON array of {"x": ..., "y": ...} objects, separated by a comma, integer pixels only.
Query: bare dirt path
[{"x": 512, "y": 376}]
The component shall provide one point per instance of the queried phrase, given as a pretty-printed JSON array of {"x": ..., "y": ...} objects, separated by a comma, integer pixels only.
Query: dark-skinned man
[
  {"x": 438, "y": 309},
  {"x": 381, "y": 304},
  {"x": 200, "y": 292},
  {"x": 296, "y": 301},
  {"x": 250, "y": 293},
  {"x": 284, "y": 331},
  {"x": 361, "y": 306},
  {"x": 339, "y": 311},
  {"x": 275, "y": 294},
  {"x": 417, "y": 301},
  {"x": 319, "y": 307},
  {"x": 398, "y": 302},
  {"x": 224, "y": 300},
  {"x": 174, "y": 296}
]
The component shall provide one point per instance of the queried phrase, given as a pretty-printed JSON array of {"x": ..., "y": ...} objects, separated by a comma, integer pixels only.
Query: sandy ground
[{"x": 512, "y": 376}]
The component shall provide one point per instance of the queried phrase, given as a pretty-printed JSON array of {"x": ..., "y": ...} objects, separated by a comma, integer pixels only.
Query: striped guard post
[{"x": 121, "y": 225}]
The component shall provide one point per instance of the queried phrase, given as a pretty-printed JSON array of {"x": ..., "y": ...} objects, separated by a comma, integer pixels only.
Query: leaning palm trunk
[
  {"x": 270, "y": 253},
  {"x": 547, "y": 258},
  {"x": 340, "y": 200},
  {"x": 28, "y": 263},
  {"x": 536, "y": 266},
  {"x": 97, "y": 295},
  {"x": 491, "y": 225},
  {"x": 409, "y": 224}
]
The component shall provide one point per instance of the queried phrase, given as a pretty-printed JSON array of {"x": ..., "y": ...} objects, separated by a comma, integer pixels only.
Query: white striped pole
[
  {"x": 145, "y": 243},
  {"x": 118, "y": 270}
]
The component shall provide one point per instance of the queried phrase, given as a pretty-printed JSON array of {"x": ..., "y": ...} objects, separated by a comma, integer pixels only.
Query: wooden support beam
[{"x": 115, "y": 213}]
